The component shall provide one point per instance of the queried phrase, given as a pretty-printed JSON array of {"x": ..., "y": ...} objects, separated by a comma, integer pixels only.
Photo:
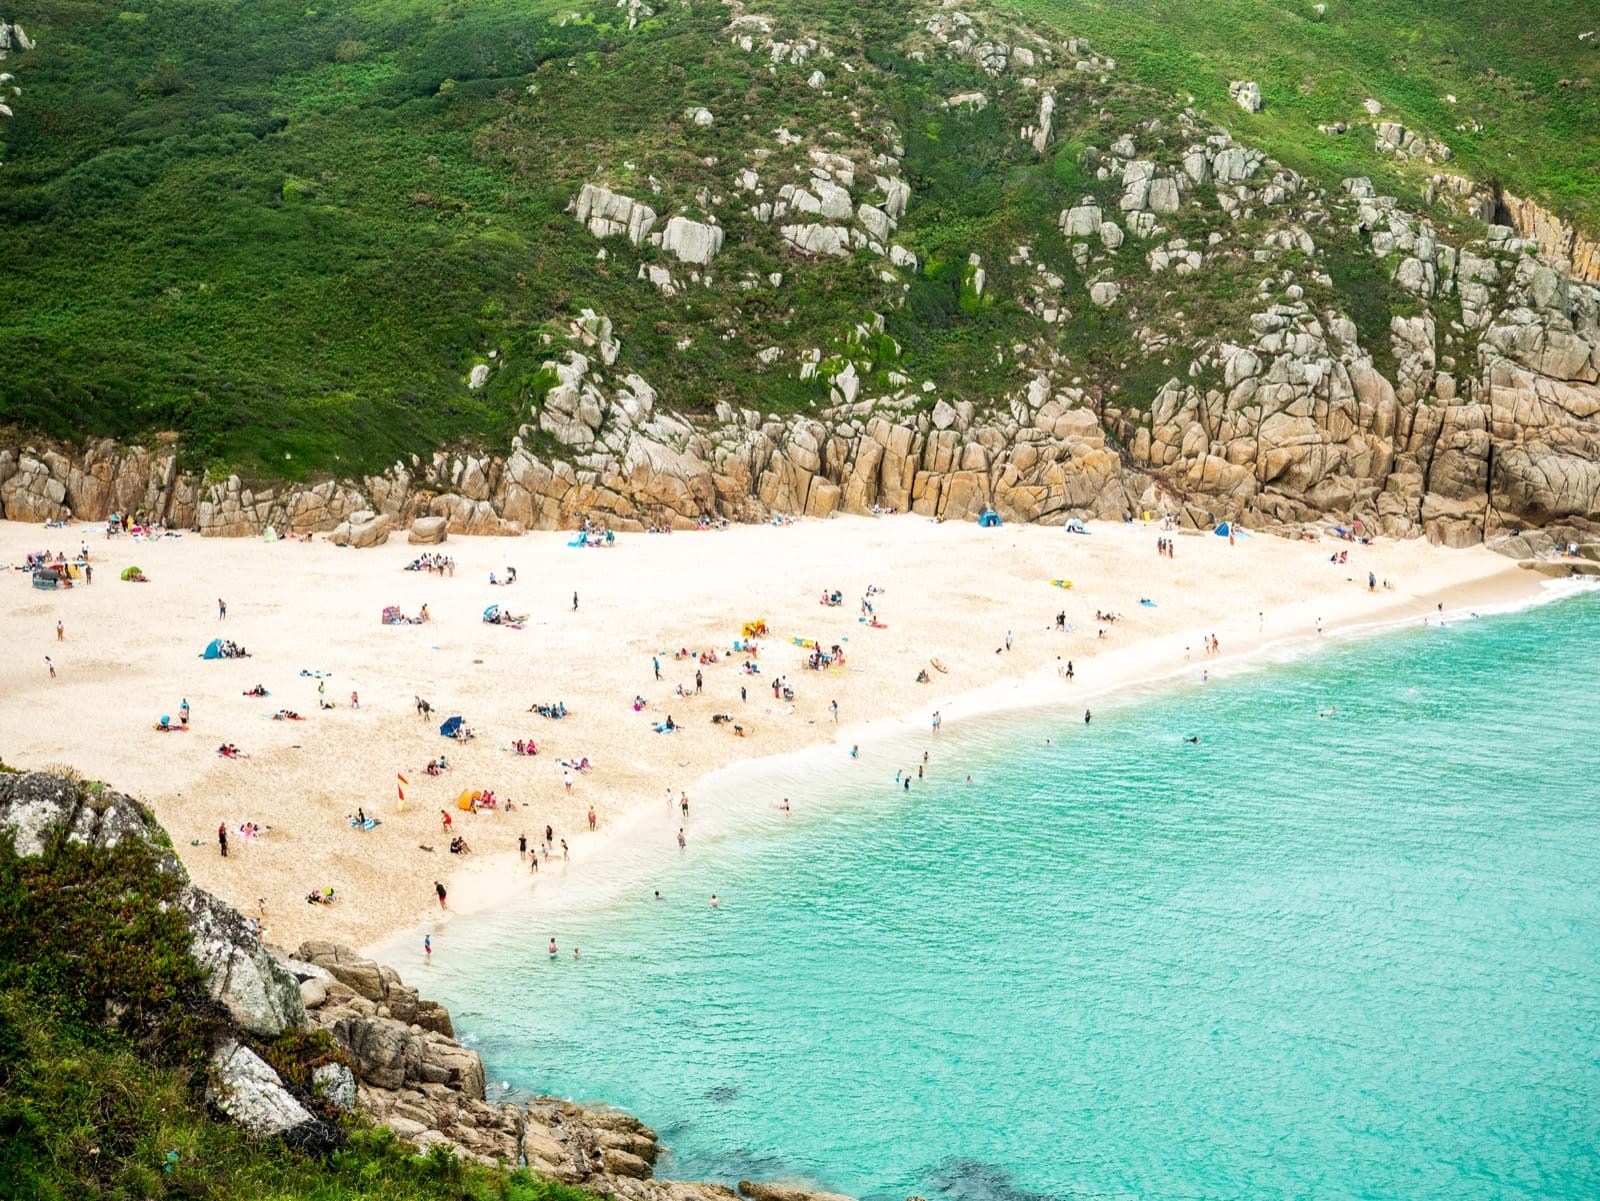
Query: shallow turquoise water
[{"x": 1347, "y": 956}]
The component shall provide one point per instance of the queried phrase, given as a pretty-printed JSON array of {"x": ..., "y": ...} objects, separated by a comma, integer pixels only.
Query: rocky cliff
[
  {"x": 398, "y": 1063},
  {"x": 1486, "y": 423}
]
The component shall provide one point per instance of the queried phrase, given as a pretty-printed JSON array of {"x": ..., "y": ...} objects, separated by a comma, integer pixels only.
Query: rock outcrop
[{"x": 260, "y": 995}]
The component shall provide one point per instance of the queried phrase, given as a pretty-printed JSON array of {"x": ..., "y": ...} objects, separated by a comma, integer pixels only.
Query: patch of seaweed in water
[{"x": 972, "y": 1180}]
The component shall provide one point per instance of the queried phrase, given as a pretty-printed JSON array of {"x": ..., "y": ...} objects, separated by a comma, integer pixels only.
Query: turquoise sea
[{"x": 1313, "y": 955}]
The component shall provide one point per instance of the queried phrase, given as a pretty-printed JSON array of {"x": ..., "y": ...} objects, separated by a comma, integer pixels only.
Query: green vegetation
[
  {"x": 103, "y": 1026},
  {"x": 292, "y": 244},
  {"x": 1518, "y": 71}
]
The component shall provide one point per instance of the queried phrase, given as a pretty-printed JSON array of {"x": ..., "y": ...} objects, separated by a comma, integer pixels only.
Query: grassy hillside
[
  {"x": 1518, "y": 72},
  {"x": 92, "y": 1108},
  {"x": 287, "y": 231}
]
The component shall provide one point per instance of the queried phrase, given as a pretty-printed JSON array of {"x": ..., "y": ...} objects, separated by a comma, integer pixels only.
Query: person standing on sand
[
  {"x": 682, "y": 841},
  {"x": 51, "y": 665},
  {"x": 439, "y": 888},
  {"x": 655, "y": 662},
  {"x": 61, "y": 632},
  {"x": 445, "y": 814},
  {"x": 591, "y": 817},
  {"x": 522, "y": 847},
  {"x": 699, "y": 682},
  {"x": 1086, "y": 716},
  {"x": 574, "y": 602},
  {"x": 684, "y": 805},
  {"x": 222, "y": 838},
  {"x": 183, "y": 712},
  {"x": 222, "y": 609},
  {"x": 566, "y": 778},
  {"x": 835, "y": 712}
]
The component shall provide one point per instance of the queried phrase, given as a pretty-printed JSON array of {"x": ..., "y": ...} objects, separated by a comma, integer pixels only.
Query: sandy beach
[{"x": 131, "y": 653}]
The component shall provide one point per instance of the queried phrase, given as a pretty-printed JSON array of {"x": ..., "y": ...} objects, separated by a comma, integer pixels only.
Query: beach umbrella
[{"x": 450, "y": 726}]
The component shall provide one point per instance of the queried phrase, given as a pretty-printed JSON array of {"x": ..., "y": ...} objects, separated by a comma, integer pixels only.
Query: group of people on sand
[
  {"x": 437, "y": 767},
  {"x": 433, "y": 564},
  {"x": 821, "y": 660},
  {"x": 1166, "y": 547},
  {"x": 524, "y": 746},
  {"x": 229, "y": 649},
  {"x": 229, "y": 751},
  {"x": 556, "y": 711}
]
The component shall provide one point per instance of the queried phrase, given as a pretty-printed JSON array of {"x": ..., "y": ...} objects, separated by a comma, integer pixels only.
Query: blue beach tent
[
  {"x": 988, "y": 519},
  {"x": 1222, "y": 530},
  {"x": 451, "y": 725},
  {"x": 213, "y": 649}
]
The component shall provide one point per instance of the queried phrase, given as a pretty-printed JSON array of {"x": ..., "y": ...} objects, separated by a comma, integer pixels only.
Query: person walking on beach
[
  {"x": 61, "y": 632},
  {"x": 1086, "y": 716},
  {"x": 51, "y": 665},
  {"x": 439, "y": 889},
  {"x": 835, "y": 712},
  {"x": 445, "y": 814},
  {"x": 566, "y": 855},
  {"x": 1008, "y": 640},
  {"x": 655, "y": 662},
  {"x": 574, "y": 602},
  {"x": 222, "y": 609},
  {"x": 222, "y": 838},
  {"x": 427, "y": 947},
  {"x": 699, "y": 683},
  {"x": 183, "y": 712}
]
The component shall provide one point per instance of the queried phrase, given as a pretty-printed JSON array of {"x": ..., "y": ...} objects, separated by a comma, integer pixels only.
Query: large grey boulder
[
  {"x": 262, "y": 995},
  {"x": 429, "y": 531},
  {"x": 244, "y": 1087}
]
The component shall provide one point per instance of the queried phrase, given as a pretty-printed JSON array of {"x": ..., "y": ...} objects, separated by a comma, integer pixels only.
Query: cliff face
[{"x": 1489, "y": 423}]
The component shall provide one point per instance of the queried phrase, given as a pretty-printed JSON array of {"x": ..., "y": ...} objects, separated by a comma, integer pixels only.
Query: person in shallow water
[{"x": 553, "y": 951}]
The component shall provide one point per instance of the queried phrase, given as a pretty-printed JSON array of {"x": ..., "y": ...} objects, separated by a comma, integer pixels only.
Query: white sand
[{"x": 951, "y": 592}]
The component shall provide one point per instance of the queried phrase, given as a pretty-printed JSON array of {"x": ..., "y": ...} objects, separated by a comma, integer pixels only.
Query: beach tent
[
  {"x": 1075, "y": 526},
  {"x": 451, "y": 725},
  {"x": 213, "y": 649},
  {"x": 1222, "y": 530},
  {"x": 492, "y": 614},
  {"x": 46, "y": 578},
  {"x": 988, "y": 519},
  {"x": 269, "y": 535},
  {"x": 129, "y": 573}
]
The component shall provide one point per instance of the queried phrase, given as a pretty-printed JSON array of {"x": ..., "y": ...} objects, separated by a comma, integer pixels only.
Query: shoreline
[
  {"x": 1504, "y": 592},
  {"x": 947, "y": 591}
]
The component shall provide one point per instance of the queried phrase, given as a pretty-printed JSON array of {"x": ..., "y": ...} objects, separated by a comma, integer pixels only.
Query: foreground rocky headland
[{"x": 397, "y": 1062}]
